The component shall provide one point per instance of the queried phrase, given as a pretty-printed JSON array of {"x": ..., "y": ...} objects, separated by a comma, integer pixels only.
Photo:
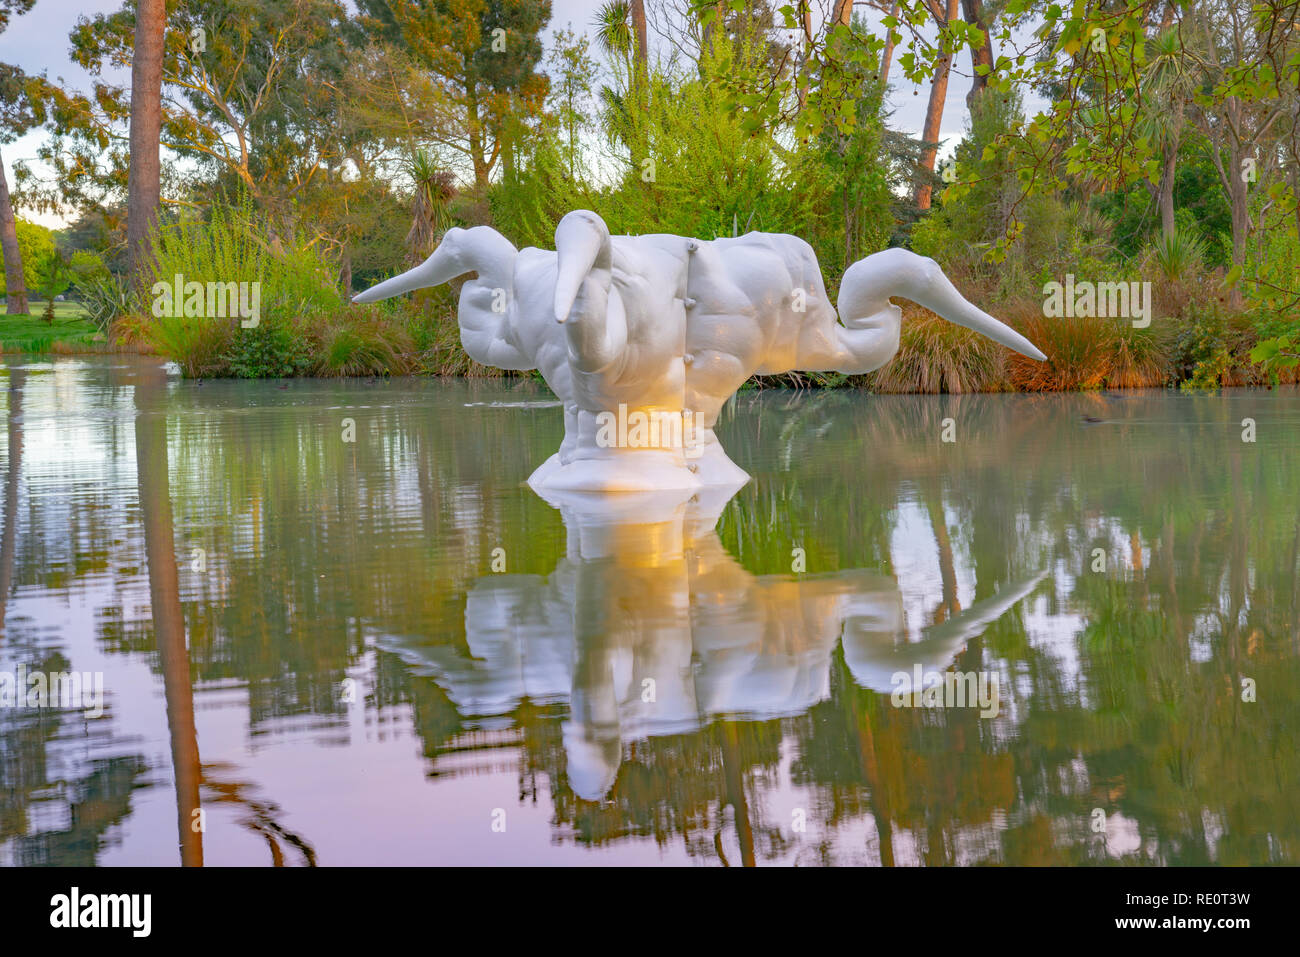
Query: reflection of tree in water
[
  {"x": 322, "y": 545},
  {"x": 258, "y": 815},
  {"x": 1201, "y": 585},
  {"x": 667, "y": 788},
  {"x": 91, "y": 806},
  {"x": 46, "y": 818},
  {"x": 56, "y": 806}
]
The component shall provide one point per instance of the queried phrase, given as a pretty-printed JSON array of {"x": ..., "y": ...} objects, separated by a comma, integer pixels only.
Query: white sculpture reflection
[
  {"x": 649, "y": 627},
  {"x": 665, "y": 329}
]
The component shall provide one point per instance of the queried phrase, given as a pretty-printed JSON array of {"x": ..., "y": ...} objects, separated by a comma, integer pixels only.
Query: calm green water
[{"x": 391, "y": 651}]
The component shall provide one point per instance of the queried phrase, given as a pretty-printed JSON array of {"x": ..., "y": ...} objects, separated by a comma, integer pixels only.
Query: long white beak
[
  {"x": 445, "y": 264},
  {"x": 579, "y": 239},
  {"x": 966, "y": 625},
  {"x": 897, "y": 272}
]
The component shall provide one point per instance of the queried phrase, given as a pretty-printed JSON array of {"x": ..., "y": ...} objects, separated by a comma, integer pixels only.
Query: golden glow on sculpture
[{"x": 665, "y": 325}]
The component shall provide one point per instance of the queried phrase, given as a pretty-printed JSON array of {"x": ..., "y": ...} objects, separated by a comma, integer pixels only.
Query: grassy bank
[
  {"x": 71, "y": 332},
  {"x": 935, "y": 356},
  {"x": 1207, "y": 351},
  {"x": 307, "y": 327}
]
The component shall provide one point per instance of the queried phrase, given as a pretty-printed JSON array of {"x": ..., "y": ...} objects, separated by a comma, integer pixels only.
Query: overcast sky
[{"x": 39, "y": 41}]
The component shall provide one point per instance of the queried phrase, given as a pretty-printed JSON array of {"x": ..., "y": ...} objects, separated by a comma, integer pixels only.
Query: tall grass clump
[
  {"x": 1089, "y": 352},
  {"x": 1178, "y": 255},
  {"x": 1143, "y": 357},
  {"x": 935, "y": 356},
  {"x": 297, "y": 287},
  {"x": 355, "y": 344}
]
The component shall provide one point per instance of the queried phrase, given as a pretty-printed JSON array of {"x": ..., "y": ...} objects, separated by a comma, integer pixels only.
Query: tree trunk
[
  {"x": 1240, "y": 220},
  {"x": 638, "y": 25},
  {"x": 889, "y": 48},
  {"x": 165, "y": 606},
  {"x": 843, "y": 12},
  {"x": 477, "y": 147},
  {"x": 733, "y": 773},
  {"x": 1237, "y": 187},
  {"x": 143, "y": 177},
  {"x": 15, "y": 288},
  {"x": 973, "y": 11},
  {"x": 934, "y": 115},
  {"x": 1167, "y": 224}
]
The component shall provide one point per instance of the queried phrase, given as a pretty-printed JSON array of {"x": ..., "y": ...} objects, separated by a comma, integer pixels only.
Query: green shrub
[
  {"x": 35, "y": 245},
  {"x": 105, "y": 297},
  {"x": 235, "y": 244},
  {"x": 275, "y": 348},
  {"x": 1212, "y": 348},
  {"x": 198, "y": 345},
  {"x": 1179, "y": 255}
]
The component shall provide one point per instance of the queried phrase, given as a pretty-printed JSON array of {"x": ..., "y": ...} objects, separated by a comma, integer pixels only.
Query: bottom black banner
[{"x": 1169, "y": 906}]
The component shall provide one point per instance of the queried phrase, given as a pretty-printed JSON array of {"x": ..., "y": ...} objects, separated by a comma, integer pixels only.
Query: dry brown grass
[
  {"x": 1087, "y": 353},
  {"x": 936, "y": 356},
  {"x": 130, "y": 333}
]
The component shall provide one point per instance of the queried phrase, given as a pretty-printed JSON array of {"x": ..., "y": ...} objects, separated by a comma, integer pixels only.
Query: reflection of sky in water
[{"x": 370, "y": 562}]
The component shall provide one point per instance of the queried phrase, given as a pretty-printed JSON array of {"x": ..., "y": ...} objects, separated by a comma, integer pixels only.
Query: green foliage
[
  {"x": 275, "y": 348},
  {"x": 846, "y": 166},
  {"x": 535, "y": 196},
  {"x": 86, "y": 267},
  {"x": 353, "y": 346},
  {"x": 695, "y": 152},
  {"x": 237, "y": 245},
  {"x": 1212, "y": 346},
  {"x": 105, "y": 296},
  {"x": 692, "y": 165},
  {"x": 552, "y": 168},
  {"x": 470, "y": 82},
  {"x": 1282, "y": 352},
  {"x": 36, "y": 246},
  {"x": 983, "y": 206},
  {"x": 1178, "y": 255},
  {"x": 1272, "y": 266},
  {"x": 53, "y": 277},
  {"x": 198, "y": 345},
  {"x": 1199, "y": 207}
]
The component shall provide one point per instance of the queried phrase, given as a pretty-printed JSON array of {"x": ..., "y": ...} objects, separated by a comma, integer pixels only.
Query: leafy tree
[
  {"x": 477, "y": 60},
  {"x": 54, "y": 277},
  {"x": 573, "y": 78},
  {"x": 249, "y": 95},
  {"x": 35, "y": 245},
  {"x": 15, "y": 118}
]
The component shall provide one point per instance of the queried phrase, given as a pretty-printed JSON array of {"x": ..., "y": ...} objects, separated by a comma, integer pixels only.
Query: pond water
[{"x": 390, "y": 650}]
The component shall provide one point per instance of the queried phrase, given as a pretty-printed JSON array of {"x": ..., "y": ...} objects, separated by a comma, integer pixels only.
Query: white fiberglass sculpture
[{"x": 644, "y": 338}]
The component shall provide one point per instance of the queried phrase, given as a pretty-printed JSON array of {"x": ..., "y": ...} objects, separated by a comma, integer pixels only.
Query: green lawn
[{"x": 31, "y": 333}]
